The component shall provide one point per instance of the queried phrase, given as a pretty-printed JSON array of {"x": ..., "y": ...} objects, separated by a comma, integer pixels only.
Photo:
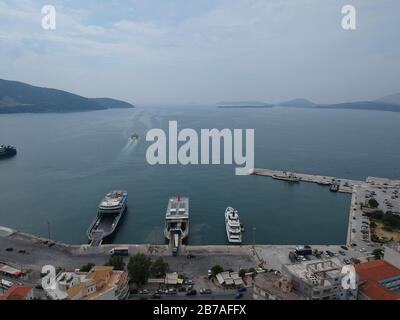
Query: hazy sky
[{"x": 203, "y": 51}]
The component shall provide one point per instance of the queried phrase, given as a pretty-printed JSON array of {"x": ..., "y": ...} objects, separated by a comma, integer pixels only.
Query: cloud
[{"x": 204, "y": 51}]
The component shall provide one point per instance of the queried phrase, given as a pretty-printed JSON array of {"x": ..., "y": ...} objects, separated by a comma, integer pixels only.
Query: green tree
[
  {"x": 373, "y": 203},
  {"x": 116, "y": 262},
  {"x": 216, "y": 269},
  {"x": 159, "y": 268},
  {"x": 378, "y": 254},
  {"x": 87, "y": 267},
  {"x": 373, "y": 224},
  {"x": 242, "y": 273},
  {"x": 139, "y": 268}
]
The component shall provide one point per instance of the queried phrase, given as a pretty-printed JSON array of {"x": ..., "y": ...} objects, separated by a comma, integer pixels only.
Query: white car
[{"x": 362, "y": 250}]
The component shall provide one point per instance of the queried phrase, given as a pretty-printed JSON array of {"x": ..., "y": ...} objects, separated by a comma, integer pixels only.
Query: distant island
[
  {"x": 243, "y": 105},
  {"x": 363, "y": 105},
  {"x": 19, "y": 97},
  {"x": 388, "y": 103},
  {"x": 298, "y": 103}
]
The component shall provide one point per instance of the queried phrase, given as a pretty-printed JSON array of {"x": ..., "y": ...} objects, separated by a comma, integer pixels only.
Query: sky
[{"x": 204, "y": 51}]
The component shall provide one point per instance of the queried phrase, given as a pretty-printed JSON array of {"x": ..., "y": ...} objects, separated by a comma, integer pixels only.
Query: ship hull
[
  {"x": 8, "y": 153},
  {"x": 286, "y": 179}
]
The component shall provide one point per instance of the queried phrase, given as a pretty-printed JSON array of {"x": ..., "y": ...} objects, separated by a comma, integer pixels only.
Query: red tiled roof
[
  {"x": 373, "y": 271},
  {"x": 16, "y": 293}
]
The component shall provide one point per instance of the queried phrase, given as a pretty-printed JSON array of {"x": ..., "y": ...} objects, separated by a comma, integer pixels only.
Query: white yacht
[
  {"x": 109, "y": 213},
  {"x": 233, "y": 226}
]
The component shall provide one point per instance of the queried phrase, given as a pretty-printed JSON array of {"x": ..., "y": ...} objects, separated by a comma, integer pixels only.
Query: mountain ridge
[{"x": 20, "y": 97}]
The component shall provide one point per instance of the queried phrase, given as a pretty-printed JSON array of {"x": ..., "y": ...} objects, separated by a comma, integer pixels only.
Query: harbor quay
[{"x": 384, "y": 191}]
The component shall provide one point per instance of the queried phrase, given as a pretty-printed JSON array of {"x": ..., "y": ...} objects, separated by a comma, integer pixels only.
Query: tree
[
  {"x": 216, "y": 269},
  {"x": 139, "y": 268},
  {"x": 242, "y": 273},
  {"x": 373, "y": 225},
  {"x": 87, "y": 267},
  {"x": 159, "y": 268},
  {"x": 378, "y": 254},
  {"x": 116, "y": 262},
  {"x": 373, "y": 203}
]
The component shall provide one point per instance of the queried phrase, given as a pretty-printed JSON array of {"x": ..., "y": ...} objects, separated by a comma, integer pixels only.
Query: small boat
[
  {"x": 135, "y": 136},
  {"x": 286, "y": 176},
  {"x": 7, "y": 151},
  {"x": 334, "y": 187}
]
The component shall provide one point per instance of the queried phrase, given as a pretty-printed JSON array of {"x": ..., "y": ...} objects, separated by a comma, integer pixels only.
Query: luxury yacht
[{"x": 233, "y": 226}]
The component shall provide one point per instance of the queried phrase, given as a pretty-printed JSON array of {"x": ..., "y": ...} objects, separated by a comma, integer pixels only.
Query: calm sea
[{"x": 67, "y": 162}]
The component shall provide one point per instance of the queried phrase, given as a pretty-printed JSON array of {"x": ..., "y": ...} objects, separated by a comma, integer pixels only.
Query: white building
[{"x": 319, "y": 280}]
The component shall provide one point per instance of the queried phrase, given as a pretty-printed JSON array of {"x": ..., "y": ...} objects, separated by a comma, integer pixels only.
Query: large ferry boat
[
  {"x": 286, "y": 176},
  {"x": 177, "y": 221},
  {"x": 233, "y": 226},
  {"x": 109, "y": 213},
  {"x": 7, "y": 151}
]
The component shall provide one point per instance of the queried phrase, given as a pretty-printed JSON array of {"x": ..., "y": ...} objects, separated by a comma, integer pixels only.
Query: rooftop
[
  {"x": 275, "y": 285},
  {"x": 178, "y": 208},
  {"x": 16, "y": 293},
  {"x": 378, "y": 279},
  {"x": 317, "y": 272}
]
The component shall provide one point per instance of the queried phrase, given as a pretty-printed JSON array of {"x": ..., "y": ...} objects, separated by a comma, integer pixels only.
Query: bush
[
  {"x": 216, "y": 269},
  {"x": 159, "y": 268},
  {"x": 139, "y": 268},
  {"x": 242, "y": 273},
  {"x": 373, "y": 203},
  {"x": 87, "y": 267},
  {"x": 116, "y": 262}
]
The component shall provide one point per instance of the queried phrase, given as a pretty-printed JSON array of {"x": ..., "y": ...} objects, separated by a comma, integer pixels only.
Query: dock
[
  {"x": 356, "y": 188},
  {"x": 345, "y": 185}
]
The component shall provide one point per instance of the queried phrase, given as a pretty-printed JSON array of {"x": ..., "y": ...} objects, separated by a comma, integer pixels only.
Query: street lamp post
[
  {"x": 254, "y": 236},
  {"x": 48, "y": 229}
]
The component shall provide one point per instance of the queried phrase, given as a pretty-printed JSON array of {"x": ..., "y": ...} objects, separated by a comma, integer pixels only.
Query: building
[
  {"x": 319, "y": 280},
  {"x": 270, "y": 286},
  {"x": 379, "y": 280},
  {"x": 392, "y": 255},
  {"x": 10, "y": 271},
  {"x": 100, "y": 283},
  {"x": 229, "y": 279},
  {"x": 18, "y": 293}
]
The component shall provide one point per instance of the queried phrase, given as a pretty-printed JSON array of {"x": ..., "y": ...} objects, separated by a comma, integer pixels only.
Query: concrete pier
[{"x": 345, "y": 185}]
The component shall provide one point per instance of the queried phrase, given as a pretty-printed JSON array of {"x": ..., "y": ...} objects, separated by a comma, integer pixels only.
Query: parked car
[
  {"x": 205, "y": 291},
  {"x": 330, "y": 253},
  {"x": 238, "y": 295},
  {"x": 10, "y": 249},
  {"x": 242, "y": 289},
  {"x": 192, "y": 292},
  {"x": 344, "y": 248}
]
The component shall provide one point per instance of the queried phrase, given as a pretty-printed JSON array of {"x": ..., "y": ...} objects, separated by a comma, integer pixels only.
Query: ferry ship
[
  {"x": 286, "y": 176},
  {"x": 177, "y": 218},
  {"x": 109, "y": 213},
  {"x": 233, "y": 226},
  {"x": 7, "y": 151}
]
